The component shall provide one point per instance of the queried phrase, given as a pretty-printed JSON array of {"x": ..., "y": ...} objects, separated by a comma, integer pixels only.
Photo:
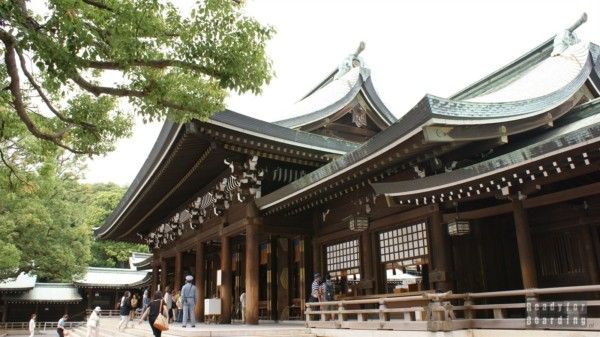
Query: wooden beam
[
  {"x": 350, "y": 129},
  {"x": 163, "y": 274},
  {"x": 233, "y": 229},
  {"x": 286, "y": 230}
]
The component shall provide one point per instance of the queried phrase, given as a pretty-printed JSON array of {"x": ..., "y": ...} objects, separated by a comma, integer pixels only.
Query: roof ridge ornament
[
  {"x": 567, "y": 37},
  {"x": 351, "y": 61}
]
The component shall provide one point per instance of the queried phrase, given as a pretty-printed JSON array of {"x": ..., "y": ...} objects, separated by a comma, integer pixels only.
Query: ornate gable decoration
[{"x": 242, "y": 184}]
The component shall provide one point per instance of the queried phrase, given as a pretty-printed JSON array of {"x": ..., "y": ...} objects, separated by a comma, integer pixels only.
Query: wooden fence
[{"x": 448, "y": 311}]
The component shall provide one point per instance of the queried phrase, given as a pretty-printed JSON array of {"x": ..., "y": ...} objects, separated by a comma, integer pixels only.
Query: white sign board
[{"x": 212, "y": 306}]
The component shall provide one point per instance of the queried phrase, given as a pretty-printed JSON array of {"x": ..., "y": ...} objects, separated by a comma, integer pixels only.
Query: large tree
[
  {"x": 68, "y": 63},
  {"x": 41, "y": 223},
  {"x": 103, "y": 198}
]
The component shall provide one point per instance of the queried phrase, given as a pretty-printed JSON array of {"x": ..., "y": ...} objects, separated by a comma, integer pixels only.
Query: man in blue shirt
[{"x": 188, "y": 300}]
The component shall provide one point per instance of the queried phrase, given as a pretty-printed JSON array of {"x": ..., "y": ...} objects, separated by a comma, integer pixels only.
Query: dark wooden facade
[{"x": 523, "y": 173}]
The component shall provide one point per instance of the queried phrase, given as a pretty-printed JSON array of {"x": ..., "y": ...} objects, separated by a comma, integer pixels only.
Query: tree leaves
[{"x": 163, "y": 64}]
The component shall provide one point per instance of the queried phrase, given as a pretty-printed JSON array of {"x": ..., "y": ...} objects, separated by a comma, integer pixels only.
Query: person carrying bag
[{"x": 156, "y": 317}]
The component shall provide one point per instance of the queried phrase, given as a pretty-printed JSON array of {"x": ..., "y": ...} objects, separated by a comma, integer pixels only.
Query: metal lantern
[
  {"x": 357, "y": 223},
  {"x": 459, "y": 227}
]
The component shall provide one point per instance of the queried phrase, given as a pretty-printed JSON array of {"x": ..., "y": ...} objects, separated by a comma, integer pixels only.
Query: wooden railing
[
  {"x": 38, "y": 325},
  {"x": 110, "y": 313},
  {"x": 446, "y": 311}
]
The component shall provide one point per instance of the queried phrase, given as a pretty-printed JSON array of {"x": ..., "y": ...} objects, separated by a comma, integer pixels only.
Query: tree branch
[
  {"x": 157, "y": 64},
  {"x": 99, "y": 90},
  {"x": 90, "y": 127},
  {"x": 98, "y": 4},
  {"x": 15, "y": 90}
]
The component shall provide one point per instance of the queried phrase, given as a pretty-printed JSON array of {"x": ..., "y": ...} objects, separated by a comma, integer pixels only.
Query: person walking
[
  {"x": 154, "y": 308},
  {"x": 60, "y": 327},
  {"x": 243, "y": 305},
  {"x": 93, "y": 323},
  {"x": 124, "y": 309},
  {"x": 168, "y": 299},
  {"x": 188, "y": 300},
  {"x": 32, "y": 325}
]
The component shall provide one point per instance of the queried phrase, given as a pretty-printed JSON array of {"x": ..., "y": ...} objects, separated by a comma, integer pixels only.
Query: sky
[{"x": 412, "y": 48}]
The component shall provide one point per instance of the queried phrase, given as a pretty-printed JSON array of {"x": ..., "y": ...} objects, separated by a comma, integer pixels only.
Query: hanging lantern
[
  {"x": 357, "y": 223},
  {"x": 459, "y": 227}
]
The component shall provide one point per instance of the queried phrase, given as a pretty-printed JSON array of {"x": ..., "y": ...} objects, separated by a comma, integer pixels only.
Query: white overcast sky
[{"x": 412, "y": 48}]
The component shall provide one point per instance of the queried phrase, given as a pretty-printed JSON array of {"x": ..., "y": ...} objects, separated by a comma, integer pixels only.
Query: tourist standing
[
  {"x": 177, "y": 305},
  {"x": 188, "y": 300},
  {"x": 168, "y": 298},
  {"x": 32, "y": 325},
  {"x": 134, "y": 304},
  {"x": 93, "y": 323},
  {"x": 327, "y": 293},
  {"x": 243, "y": 305},
  {"x": 145, "y": 300},
  {"x": 154, "y": 308},
  {"x": 60, "y": 327},
  {"x": 314, "y": 289},
  {"x": 124, "y": 309}
]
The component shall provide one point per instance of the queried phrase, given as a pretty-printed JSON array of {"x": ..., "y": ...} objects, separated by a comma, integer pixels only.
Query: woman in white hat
[{"x": 93, "y": 323}]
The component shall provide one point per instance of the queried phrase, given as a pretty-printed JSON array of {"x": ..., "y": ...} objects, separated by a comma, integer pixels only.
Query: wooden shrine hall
[{"x": 495, "y": 188}]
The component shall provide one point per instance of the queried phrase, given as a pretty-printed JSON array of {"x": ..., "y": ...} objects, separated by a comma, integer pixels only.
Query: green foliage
[
  {"x": 69, "y": 63},
  {"x": 103, "y": 199},
  {"x": 42, "y": 229}
]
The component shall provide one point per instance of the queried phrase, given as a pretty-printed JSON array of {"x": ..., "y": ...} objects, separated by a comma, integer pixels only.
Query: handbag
[{"x": 161, "y": 322}]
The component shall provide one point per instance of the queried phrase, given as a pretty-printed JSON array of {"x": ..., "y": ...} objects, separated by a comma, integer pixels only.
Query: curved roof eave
[
  {"x": 432, "y": 109},
  {"x": 574, "y": 134},
  {"x": 296, "y": 122},
  {"x": 461, "y": 112},
  {"x": 376, "y": 102},
  {"x": 226, "y": 119}
]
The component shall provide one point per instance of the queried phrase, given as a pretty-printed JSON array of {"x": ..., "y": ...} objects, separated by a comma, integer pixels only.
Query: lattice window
[
  {"x": 343, "y": 256},
  {"x": 405, "y": 245}
]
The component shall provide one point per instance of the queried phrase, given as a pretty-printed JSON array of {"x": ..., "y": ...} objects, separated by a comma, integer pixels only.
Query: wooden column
[
  {"x": 441, "y": 254},
  {"x": 226, "y": 295},
  {"x": 163, "y": 274},
  {"x": 316, "y": 255},
  {"x": 368, "y": 276},
  {"x": 155, "y": 273},
  {"x": 178, "y": 276},
  {"x": 252, "y": 274},
  {"x": 526, "y": 257},
  {"x": 282, "y": 252},
  {"x": 252, "y": 267},
  {"x": 200, "y": 281}
]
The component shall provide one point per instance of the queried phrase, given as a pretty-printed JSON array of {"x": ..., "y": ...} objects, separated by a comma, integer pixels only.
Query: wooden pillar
[
  {"x": 155, "y": 273},
  {"x": 89, "y": 295},
  {"x": 163, "y": 274},
  {"x": 441, "y": 254},
  {"x": 282, "y": 253},
  {"x": 368, "y": 276},
  {"x": 526, "y": 257},
  {"x": 316, "y": 254},
  {"x": 226, "y": 295},
  {"x": 178, "y": 276},
  {"x": 200, "y": 281},
  {"x": 252, "y": 268}
]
